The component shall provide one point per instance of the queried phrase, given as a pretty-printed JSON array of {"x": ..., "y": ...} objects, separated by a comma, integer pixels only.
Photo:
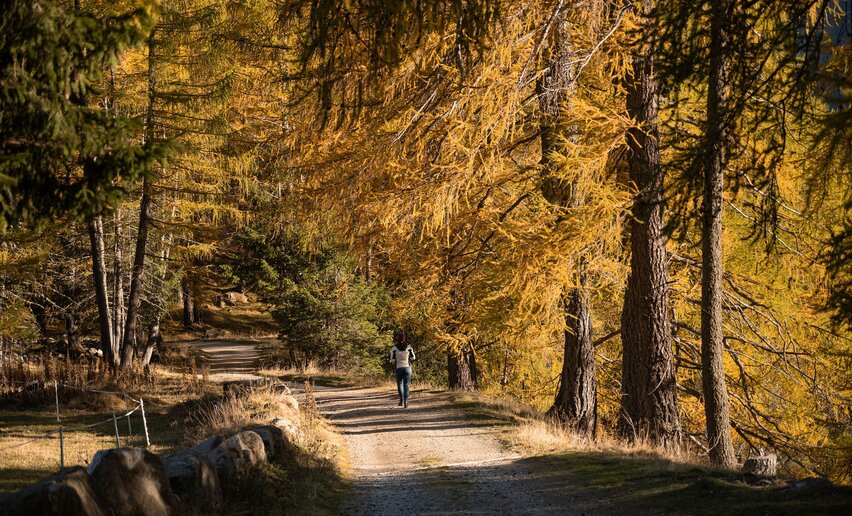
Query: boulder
[
  {"x": 205, "y": 447},
  {"x": 132, "y": 481},
  {"x": 236, "y": 456},
  {"x": 69, "y": 492},
  {"x": 234, "y": 298},
  {"x": 763, "y": 465},
  {"x": 811, "y": 484},
  {"x": 290, "y": 429},
  {"x": 275, "y": 440},
  {"x": 194, "y": 482}
]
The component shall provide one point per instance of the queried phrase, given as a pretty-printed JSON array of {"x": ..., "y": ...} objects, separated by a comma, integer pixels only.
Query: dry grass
[
  {"x": 309, "y": 480},
  {"x": 31, "y": 416},
  {"x": 538, "y": 437},
  {"x": 533, "y": 435},
  {"x": 227, "y": 416},
  {"x": 327, "y": 377}
]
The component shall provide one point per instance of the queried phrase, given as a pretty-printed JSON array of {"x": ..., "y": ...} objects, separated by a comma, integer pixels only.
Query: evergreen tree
[{"x": 58, "y": 155}]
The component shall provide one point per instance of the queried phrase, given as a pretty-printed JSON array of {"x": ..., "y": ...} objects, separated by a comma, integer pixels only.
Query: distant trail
[
  {"x": 432, "y": 459},
  {"x": 230, "y": 359}
]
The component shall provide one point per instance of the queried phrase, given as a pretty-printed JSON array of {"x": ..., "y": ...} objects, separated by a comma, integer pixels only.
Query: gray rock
[
  {"x": 205, "y": 447},
  {"x": 194, "y": 481},
  {"x": 234, "y": 298},
  {"x": 235, "y": 457},
  {"x": 275, "y": 440},
  {"x": 811, "y": 484},
  {"x": 132, "y": 481},
  {"x": 69, "y": 492},
  {"x": 291, "y": 429},
  {"x": 764, "y": 465}
]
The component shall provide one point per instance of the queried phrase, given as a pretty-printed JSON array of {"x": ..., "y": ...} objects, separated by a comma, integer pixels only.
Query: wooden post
[
  {"x": 115, "y": 424},
  {"x": 127, "y": 410},
  {"x": 56, "y": 392},
  {"x": 144, "y": 422},
  {"x": 61, "y": 448}
]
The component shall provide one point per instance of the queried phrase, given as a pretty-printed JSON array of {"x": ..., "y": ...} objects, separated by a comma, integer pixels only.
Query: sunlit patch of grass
[
  {"x": 168, "y": 401},
  {"x": 230, "y": 415},
  {"x": 426, "y": 462}
]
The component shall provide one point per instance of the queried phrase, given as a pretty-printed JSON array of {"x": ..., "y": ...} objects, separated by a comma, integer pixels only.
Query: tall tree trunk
[
  {"x": 649, "y": 408},
  {"x": 575, "y": 403},
  {"x": 712, "y": 346},
  {"x": 461, "y": 369},
  {"x": 119, "y": 308},
  {"x": 188, "y": 308},
  {"x": 155, "y": 338},
  {"x": 96, "y": 239},
  {"x": 576, "y": 400},
  {"x": 134, "y": 298},
  {"x": 72, "y": 334}
]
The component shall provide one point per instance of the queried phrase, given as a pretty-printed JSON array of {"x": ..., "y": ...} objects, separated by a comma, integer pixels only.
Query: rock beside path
[
  {"x": 70, "y": 492},
  {"x": 132, "y": 481},
  {"x": 194, "y": 482}
]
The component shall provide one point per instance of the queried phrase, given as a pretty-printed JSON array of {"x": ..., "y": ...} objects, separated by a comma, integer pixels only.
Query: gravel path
[
  {"x": 432, "y": 459},
  {"x": 427, "y": 459},
  {"x": 230, "y": 360}
]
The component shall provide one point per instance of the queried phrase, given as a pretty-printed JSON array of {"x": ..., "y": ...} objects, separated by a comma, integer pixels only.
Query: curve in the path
[
  {"x": 432, "y": 459},
  {"x": 230, "y": 359}
]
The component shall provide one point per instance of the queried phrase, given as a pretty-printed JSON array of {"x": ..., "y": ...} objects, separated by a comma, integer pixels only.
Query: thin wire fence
[{"x": 74, "y": 439}]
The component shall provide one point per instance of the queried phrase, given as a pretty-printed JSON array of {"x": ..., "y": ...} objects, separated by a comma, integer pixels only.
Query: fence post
[
  {"x": 127, "y": 409},
  {"x": 56, "y": 392},
  {"x": 61, "y": 448},
  {"x": 144, "y": 421},
  {"x": 115, "y": 423}
]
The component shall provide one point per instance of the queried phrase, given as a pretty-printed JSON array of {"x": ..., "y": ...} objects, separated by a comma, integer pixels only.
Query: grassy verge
[
  {"x": 641, "y": 477},
  {"x": 309, "y": 480},
  {"x": 169, "y": 398}
]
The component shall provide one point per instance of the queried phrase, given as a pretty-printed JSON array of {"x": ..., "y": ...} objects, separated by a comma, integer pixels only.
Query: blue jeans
[{"x": 403, "y": 380}]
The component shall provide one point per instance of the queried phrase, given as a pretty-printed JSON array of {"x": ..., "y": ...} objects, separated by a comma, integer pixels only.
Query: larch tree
[
  {"x": 648, "y": 385},
  {"x": 575, "y": 404}
]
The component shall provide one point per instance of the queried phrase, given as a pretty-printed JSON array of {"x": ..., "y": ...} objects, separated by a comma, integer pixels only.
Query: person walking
[{"x": 401, "y": 356}]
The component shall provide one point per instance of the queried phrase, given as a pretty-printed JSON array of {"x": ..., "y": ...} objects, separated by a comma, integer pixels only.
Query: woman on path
[{"x": 402, "y": 355}]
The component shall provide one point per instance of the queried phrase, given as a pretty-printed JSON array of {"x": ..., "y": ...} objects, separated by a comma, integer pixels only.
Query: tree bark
[
  {"x": 119, "y": 308},
  {"x": 96, "y": 239},
  {"x": 72, "y": 334},
  {"x": 649, "y": 408},
  {"x": 575, "y": 403},
  {"x": 134, "y": 297},
  {"x": 188, "y": 306},
  {"x": 461, "y": 369},
  {"x": 576, "y": 400},
  {"x": 155, "y": 338},
  {"x": 712, "y": 348}
]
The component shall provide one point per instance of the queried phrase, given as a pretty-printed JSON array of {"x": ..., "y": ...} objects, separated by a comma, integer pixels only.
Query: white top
[{"x": 402, "y": 358}]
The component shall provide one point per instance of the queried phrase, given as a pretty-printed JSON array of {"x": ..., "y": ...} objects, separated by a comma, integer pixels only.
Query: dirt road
[
  {"x": 432, "y": 459},
  {"x": 230, "y": 360}
]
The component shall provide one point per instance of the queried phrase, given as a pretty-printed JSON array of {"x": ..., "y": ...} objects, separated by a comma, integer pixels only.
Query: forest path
[
  {"x": 230, "y": 360},
  {"x": 433, "y": 459}
]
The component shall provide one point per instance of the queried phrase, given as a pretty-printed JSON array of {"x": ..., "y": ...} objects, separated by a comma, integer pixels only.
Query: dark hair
[
  {"x": 401, "y": 346},
  {"x": 399, "y": 336}
]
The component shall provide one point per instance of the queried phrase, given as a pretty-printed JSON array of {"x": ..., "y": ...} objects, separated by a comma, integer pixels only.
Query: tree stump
[{"x": 763, "y": 465}]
